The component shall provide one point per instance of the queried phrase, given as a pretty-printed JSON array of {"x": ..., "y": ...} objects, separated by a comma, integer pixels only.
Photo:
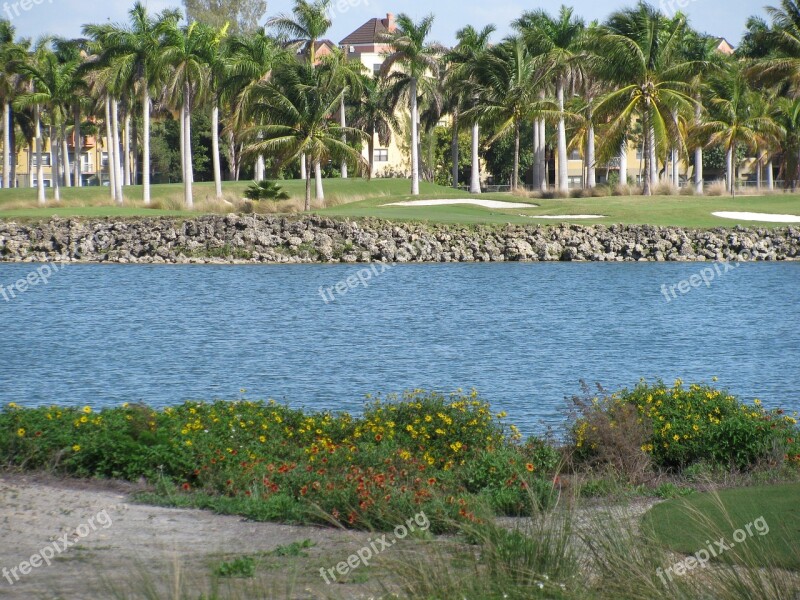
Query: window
[
  {"x": 376, "y": 69},
  {"x": 104, "y": 159},
  {"x": 381, "y": 155},
  {"x": 45, "y": 160},
  {"x": 575, "y": 155},
  {"x": 46, "y": 183},
  {"x": 639, "y": 153}
]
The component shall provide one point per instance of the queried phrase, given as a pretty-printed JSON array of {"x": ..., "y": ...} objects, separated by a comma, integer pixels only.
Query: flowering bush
[
  {"x": 423, "y": 449},
  {"x": 694, "y": 424}
]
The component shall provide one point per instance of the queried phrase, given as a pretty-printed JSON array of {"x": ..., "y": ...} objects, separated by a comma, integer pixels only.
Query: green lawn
[
  {"x": 686, "y": 525},
  {"x": 356, "y": 198}
]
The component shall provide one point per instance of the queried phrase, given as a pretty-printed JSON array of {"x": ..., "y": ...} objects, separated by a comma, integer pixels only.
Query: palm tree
[
  {"x": 735, "y": 121},
  {"x": 508, "y": 85},
  {"x": 350, "y": 74},
  {"x": 293, "y": 114},
  {"x": 218, "y": 65},
  {"x": 250, "y": 59},
  {"x": 135, "y": 51},
  {"x": 375, "y": 115},
  {"x": 557, "y": 43},
  {"x": 186, "y": 50},
  {"x": 51, "y": 89},
  {"x": 787, "y": 115},
  {"x": 639, "y": 52},
  {"x": 463, "y": 59},
  {"x": 11, "y": 54},
  {"x": 412, "y": 69},
  {"x": 303, "y": 30}
]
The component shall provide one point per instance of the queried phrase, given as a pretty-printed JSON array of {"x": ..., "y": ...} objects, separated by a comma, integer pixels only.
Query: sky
[{"x": 724, "y": 18}]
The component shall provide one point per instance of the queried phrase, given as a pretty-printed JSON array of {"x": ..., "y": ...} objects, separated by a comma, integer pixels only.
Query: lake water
[{"x": 524, "y": 335}]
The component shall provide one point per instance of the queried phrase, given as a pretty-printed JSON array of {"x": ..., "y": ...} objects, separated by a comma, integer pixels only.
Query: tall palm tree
[
  {"x": 293, "y": 114},
  {"x": 734, "y": 120},
  {"x": 52, "y": 90},
  {"x": 375, "y": 115},
  {"x": 462, "y": 60},
  {"x": 508, "y": 86},
  {"x": 12, "y": 53},
  {"x": 135, "y": 51},
  {"x": 412, "y": 69},
  {"x": 302, "y": 30},
  {"x": 186, "y": 51},
  {"x": 787, "y": 115},
  {"x": 250, "y": 59},
  {"x": 557, "y": 43},
  {"x": 639, "y": 52},
  {"x": 216, "y": 59}
]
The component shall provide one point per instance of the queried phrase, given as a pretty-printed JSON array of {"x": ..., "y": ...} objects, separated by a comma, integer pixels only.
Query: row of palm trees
[{"x": 640, "y": 78}]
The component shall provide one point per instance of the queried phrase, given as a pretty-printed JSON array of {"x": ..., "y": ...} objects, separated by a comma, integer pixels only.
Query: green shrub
[{"x": 265, "y": 190}]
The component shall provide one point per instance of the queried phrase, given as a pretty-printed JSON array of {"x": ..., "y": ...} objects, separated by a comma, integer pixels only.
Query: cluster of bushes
[{"x": 448, "y": 455}]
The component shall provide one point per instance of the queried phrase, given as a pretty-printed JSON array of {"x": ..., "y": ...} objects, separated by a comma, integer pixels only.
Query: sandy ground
[
  {"x": 144, "y": 545},
  {"x": 759, "y": 217},
  {"x": 564, "y": 217},
  {"x": 483, "y": 203}
]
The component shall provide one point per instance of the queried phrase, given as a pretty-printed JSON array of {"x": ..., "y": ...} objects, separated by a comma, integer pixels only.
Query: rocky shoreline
[{"x": 314, "y": 239}]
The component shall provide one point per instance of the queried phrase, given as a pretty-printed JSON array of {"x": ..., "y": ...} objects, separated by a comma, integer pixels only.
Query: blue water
[{"x": 524, "y": 335}]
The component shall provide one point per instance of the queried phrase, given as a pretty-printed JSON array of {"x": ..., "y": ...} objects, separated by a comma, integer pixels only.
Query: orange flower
[{"x": 530, "y": 468}]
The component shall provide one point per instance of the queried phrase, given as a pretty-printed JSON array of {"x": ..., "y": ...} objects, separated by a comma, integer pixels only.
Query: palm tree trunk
[
  {"x": 623, "y": 163},
  {"x": 454, "y": 149},
  {"x": 343, "y": 123},
  {"x": 770, "y": 175},
  {"x": 39, "y": 167},
  {"x": 729, "y": 170},
  {"x": 563, "y": 165},
  {"x": 183, "y": 146},
  {"x": 306, "y": 170},
  {"x": 320, "y": 192},
  {"x": 187, "y": 145},
  {"x": 414, "y": 138},
  {"x": 371, "y": 150},
  {"x": 590, "y": 155},
  {"x": 117, "y": 164},
  {"x": 259, "y": 169},
  {"x": 515, "y": 173},
  {"x": 651, "y": 134},
  {"x": 78, "y": 139},
  {"x": 65, "y": 158},
  {"x": 146, "y": 145},
  {"x": 698, "y": 157},
  {"x": 126, "y": 149},
  {"x": 543, "y": 170},
  {"x": 675, "y": 174},
  {"x": 55, "y": 176},
  {"x": 7, "y": 145},
  {"x": 303, "y": 167},
  {"x": 215, "y": 150},
  {"x": 648, "y": 157},
  {"x": 537, "y": 171},
  {"x": 13, "y": 147},
  {"x": 475, "y": 182},
  {"x": 759, "y": 171},
  {"x": 135, "y": 153}
]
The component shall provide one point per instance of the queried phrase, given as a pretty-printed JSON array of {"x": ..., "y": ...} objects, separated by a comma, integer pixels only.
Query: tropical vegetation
[{"x": 271, "y": 99}]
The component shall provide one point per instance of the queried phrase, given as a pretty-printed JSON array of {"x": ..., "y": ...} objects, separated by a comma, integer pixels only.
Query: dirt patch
[{"x": 136, "y": 547}]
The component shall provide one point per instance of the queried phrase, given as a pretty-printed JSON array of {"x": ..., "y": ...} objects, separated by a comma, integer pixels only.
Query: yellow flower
[
  {"x": 188, "y": 442},
  {"x": 696, "y": 428},
  {"x": 262, "y": 439},
  {"x": 13, "y": 405},
  {"x": 76, "y": 448},
  {"x": 21, "y": 432},
  {"x": 84, "y": 419},
  {"x": 87, "y": 410},
  {"x": 676, "y": 437}
]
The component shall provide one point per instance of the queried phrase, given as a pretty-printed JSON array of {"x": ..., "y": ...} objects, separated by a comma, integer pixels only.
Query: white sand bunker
[
  {"x": 761, "y": 217},
  {"x": 483, "y": 203},
  {"x": 564, "y": 217}
]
